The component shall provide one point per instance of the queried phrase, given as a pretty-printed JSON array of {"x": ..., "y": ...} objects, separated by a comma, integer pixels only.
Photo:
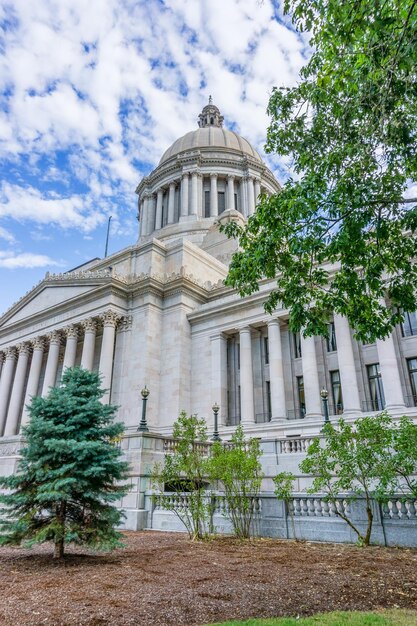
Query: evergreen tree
[{"x": 67, "y": 475}]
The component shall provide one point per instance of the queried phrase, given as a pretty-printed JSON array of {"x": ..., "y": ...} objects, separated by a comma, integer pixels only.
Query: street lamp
[
  {"x": 216, "y": 410},
  {"x": 143, "y": 426},
  {"x": 325, "y": 399}
]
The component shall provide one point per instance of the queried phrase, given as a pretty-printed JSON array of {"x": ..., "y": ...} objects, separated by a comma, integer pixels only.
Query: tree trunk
[{"x": 60, "y": 532}]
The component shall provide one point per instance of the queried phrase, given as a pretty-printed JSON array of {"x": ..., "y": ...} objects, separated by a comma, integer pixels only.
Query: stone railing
[
  {"x": 218, "y": 502},
  {"x": 295, "y": 445},
  {"x": 315, "y": 506},
  {"x": 170, "y": 446},
  {"x": 400, "y": 508}
]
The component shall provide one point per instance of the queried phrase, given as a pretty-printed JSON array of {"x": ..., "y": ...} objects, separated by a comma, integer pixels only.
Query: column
[
  {"x": 347, "y": 369},
  {"x": 109, "y": 319},
  {"x": 246, "y": 377},
  {"x": 244, "y": 196},
  {"x": 199, "y": 196},
  {"x": 391, "y": 381},
  {"x": 230, "y": 192},
  {"x": 17, "y": 391},
  {"x": 52, "y": 362},
  {"x": 144, "y": 216},
  {"x": 194, "y": 194},
  {"x": 310, "y": 377},
  {"x": 251, "y": 196},
  {"x": 1, "y": 361},
  {"x": 214, "y": 206},
  {"x": 218, "y": 346},
  {"x": 184, "y": 195},
  {"x": 6, "y": 383},
  {"x": 257, "y": 189},
  {"x": 276, "y": 372},
  {"x": 38, "y": 346},
  {"x": 171, "y": 203},
  {"x": 151, "y": 214},
  {"x": 71, "y": 334},
  {"x": 158, "y": 217},
  {"x": 87, "y": 356}
]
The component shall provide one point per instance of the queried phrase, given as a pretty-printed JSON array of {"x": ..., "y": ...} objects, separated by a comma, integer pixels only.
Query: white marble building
[{"x": 157, "y": 313}]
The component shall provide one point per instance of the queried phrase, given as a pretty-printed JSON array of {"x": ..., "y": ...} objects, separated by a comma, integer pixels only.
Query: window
[
  {"x": 331, "y": 338},
  {"x": 221, "y": 201},
  {"x": 375, "y": 387},
  {"x": 236, "y": 201},
  {"x": 207, "y": 204},
  {"x": 409, "y": 325},
  {"x": 266, "y": 350},
  {"x": 336, "y": 392},
  {"x": 412, "y": 370},
  {"x": 268, "y": 399},
  {"x": 297, "y": 345},
  {"x": 238, "y": 355},
  {"x": 301, "y": 396}
]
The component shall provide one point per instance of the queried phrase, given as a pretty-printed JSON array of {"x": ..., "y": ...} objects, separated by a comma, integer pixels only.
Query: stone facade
[{"x": 158, "y": 313}]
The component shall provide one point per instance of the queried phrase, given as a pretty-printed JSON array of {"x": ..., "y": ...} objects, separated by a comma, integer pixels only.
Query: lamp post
[
  {"x": 325, "y": 399},
  {"x": 216, "y": 410},
  {"x": 143, "y": 426}
]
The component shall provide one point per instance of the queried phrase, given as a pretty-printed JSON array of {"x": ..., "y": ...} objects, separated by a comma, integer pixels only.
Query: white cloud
[
  {"x": 9, "y": 260},
  {"x": 6, "y": 235}
]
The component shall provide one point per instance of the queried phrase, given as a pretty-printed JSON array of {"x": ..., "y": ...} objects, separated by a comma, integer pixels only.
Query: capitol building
[{"x": 158, "y": 314}]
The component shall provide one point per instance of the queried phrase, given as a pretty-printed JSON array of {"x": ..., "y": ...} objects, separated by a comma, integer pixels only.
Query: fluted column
[
  {"x": 391, "y": 381},
  {"x": 194, "y": 194},
  {"x": 87, "y": 356},
  {"x": 200, "y": 195},
  {"x": 1, "y": 361},
  {"x": 347, "y": 369},
  {"x": 171, "y": 203},
  {"x": 143, "y": 216},
  {"x": 218, "y": 345},
  {"x": 257, "y": 189},
  {"x": 109, "y": 320},
  {"x": 184, "y": 194},
  {"x": 158, "y": 217},
  {"x": 52, "y": 362},
  {"x": 310, "y": 377},
  {"x": 17, "y": 390},
  {"x": 38, "y": 346},
  {"x": 251, "y": 196},
  {"x": 246, "y": 377},
  {"x": 214, "y": 205},
  {"x": 276, "y": 372},
  {"x": 6, "y": 383},
  {"x": 71, "y": 334},
  {"x": 230, "y": 192}
]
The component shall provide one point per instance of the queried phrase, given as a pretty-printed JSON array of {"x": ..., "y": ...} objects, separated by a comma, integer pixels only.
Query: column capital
[
  {"x": 23, "y": 348},
  {"x": 231, "y": 176},
  {"x": 89, "y": 325},
  {"x": 213, "y": 175},
  {"x": 71, "y": 331},
  {"x": 38, "y": 343},
  {"x": 244, "y": 329},
  {"x": 273, "y": 321},
  {"x": 110, "y": 318},
  {"x": 125, "y": 323},
  {"x": 10, "y": 353},
  {"x": 54, "y": 337},
  {"x": 185, "y": 174},
  {"x": 172, "y": 184},
  {"x": 1, "y": 357}
]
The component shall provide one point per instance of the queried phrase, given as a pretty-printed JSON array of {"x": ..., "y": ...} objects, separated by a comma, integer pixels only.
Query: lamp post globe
[
  {"x": 216, "y": 408},
  {"x": 325, "y": 399}
]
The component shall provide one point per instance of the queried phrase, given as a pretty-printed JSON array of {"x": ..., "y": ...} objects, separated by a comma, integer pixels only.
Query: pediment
[{"x": 42, "y": 299}]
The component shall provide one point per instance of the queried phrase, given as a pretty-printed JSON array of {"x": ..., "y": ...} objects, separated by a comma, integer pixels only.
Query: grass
[{"x": 342, "y": 618}]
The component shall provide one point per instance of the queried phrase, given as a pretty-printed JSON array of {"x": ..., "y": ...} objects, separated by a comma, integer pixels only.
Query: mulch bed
[{"x": 164, "y": 579}]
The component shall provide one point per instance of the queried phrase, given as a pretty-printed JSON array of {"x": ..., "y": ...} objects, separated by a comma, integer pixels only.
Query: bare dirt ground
[{"x": 164, "y": 579}]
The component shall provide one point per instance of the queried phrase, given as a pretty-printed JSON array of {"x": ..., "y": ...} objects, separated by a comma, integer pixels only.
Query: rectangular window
[
  {"x": 376, "y": 388},
  {"x": 409, "y": 325},
  {"x": 266, "y": 350},
  {"x": 297, "y": 345},
  {"x": 238, "y": 355},
  {"x": 207, "y": 203},
  {"x": 301, "y": 396},
  {"x": 331, "y": 338},
  {"x": 268, "y": 399},
  {"x": 221, "y": 201},
  {"x": 412, "y": 370},
  {"x": 336, "y": 392},
  {"x": 236, "y": 201}
]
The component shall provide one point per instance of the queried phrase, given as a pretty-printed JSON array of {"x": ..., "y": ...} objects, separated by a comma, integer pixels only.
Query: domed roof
[{"x": 210, "y": 135}]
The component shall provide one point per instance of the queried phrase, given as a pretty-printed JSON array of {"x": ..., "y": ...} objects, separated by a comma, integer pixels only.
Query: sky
[{"x": 94, "y": 91}]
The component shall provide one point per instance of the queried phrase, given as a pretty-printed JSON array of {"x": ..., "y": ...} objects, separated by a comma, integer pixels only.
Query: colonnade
[
  {"x": 390, "y": 375},
  {"x": 191, "y": 204},
  {"x": 20, "y": 377}
]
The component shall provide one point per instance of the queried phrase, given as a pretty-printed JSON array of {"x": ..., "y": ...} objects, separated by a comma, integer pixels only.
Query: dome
[{"x": 211, "y": 137}]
